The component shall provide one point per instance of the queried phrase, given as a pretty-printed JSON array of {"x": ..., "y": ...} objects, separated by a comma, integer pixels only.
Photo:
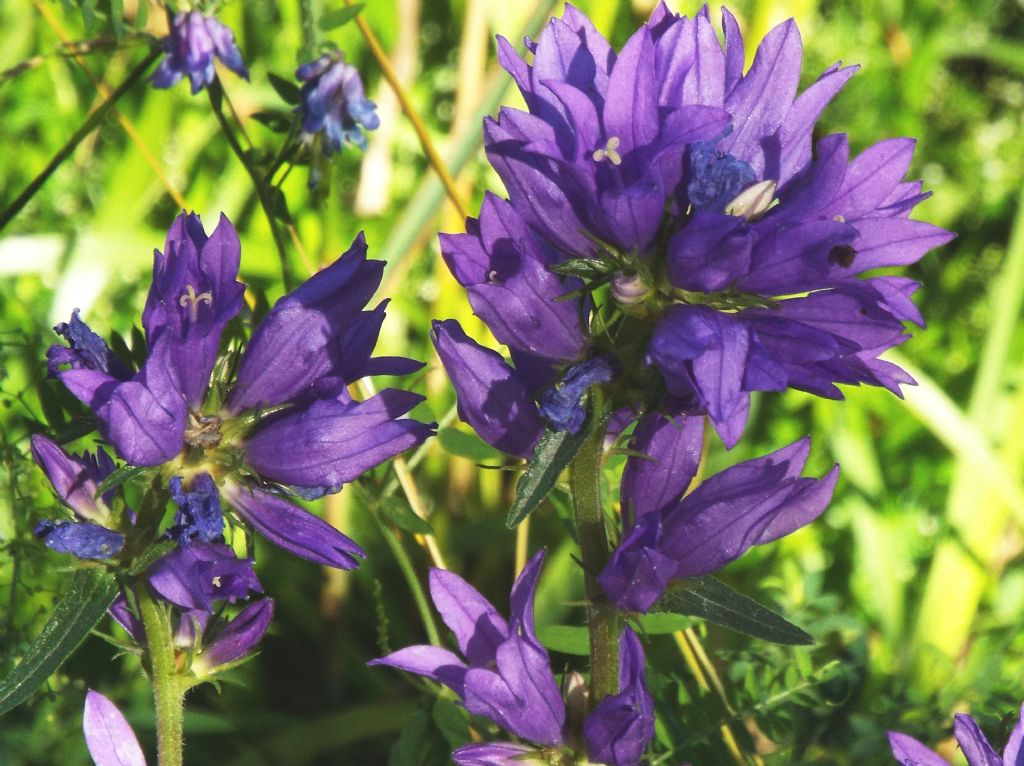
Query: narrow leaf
[
  {"x": 276, "y": 120},
  {"x": 567, "y": 639},
  {"x": 83, "y": 604},
  {"x": 119, "y": 477},
  {"x": 456, "y": 442},
  {"x": 716, "y": 602},
  {"x": 286, "y": 89},
  {"x": 584, "y": 268},
  {"x": 402, "y": 516},
  {"x": 553, "y": 452},
  {"x": 340, "y": 17}
]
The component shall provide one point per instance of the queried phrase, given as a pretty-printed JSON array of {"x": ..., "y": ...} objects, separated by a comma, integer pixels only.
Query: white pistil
[
  {"x": 192, "y": 301},
  {"x": 609, "y": 151},
  {"x": 752, "y": 202}
]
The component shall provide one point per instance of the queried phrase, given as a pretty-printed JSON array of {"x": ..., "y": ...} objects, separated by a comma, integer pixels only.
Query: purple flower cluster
[
  {"x": 734, "y": 253},
  {"x": 505, "y": 675},
  {"x": 191, "y": 46},
  {"x": 669, "y": 537},
  {"x": 284, "y": 421},
  {"x": 334, "y": 103},
  {"x": 976, "y": 749}
]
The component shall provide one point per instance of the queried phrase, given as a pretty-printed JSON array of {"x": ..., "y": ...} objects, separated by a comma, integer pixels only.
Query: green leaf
[
  {"x": 119, "y": 477},
  {"x": 716, "y": 602},
  {"x": 567, "y": 639},
  {"x": 457, "y": 442},
  {"x": 401, "y": 515},
  {"x": 339, "y": 17},
  {"x": 585, "y": 268},
  {"x": 83, "y": 604},
  {"x": 117, "y": 18},
  {"x": 406, "y": 750},
  {"x": 553, "y": 452},
  {"x": 660, "y": 623},
  {"x": 275, "y": 119},
  {"x": 451, "y": 720},
  {"x": 286, "y": 89}
]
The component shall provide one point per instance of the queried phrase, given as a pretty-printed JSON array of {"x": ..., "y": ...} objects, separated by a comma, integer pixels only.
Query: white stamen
[
  {"x": 752, "y": 202},
  {"x": 216, "y": 581},
  {"x": 609, "y": 151},
  {"x": 839, "y": 219},
  {"x": 192, "y": 301}
]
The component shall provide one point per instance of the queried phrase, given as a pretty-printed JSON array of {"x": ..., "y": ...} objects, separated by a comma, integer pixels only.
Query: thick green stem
[
  {"x": 604, "y": 620},
  {"x": 168, "y": 690}
]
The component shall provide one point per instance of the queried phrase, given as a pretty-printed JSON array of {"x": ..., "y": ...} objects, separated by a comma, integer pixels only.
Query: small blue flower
[
  {"x": 334, "y": 102},
  {"x": 560, "y": 405},
  {"x": 193, "y": 42},
  {"x": 199, "y": 513}
]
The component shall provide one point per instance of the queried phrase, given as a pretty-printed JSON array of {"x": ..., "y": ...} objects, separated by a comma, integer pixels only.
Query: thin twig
[{"x": 433, "y": 158}]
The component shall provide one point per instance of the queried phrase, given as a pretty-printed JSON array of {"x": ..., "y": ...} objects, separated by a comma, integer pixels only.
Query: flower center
[
  {"x": 609, "y": 152},
  {"x": 202, "y": 431},
  {"x": 191, "y": 301}
]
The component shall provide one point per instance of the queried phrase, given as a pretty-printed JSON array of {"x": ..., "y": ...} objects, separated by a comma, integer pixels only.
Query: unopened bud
[
  {"x": 752, "y": 202},
  {"x": 629, "y": 289}
]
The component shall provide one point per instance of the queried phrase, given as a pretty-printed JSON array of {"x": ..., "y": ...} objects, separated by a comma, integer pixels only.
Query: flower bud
[{"x": 629, "y": 289}]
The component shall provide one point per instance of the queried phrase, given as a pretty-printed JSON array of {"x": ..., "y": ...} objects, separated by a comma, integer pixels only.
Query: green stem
[
  {"x": 216, "y": 94},
  {"x": 168, "y": 691},
  {"x": 604, "y": 620},
  {"x": 90, "y": 124}
]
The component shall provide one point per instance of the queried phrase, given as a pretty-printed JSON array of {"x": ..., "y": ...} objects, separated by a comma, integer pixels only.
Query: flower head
[
  {"x": 193, "y": 42},
  {"x": 749, "y": 504},
  {"x": 283, "y": 424},
  {"x": 734, "y": 253},
  {"x": 504, "y": 673},
  {"x": 909, "y": 752},
  {"x": 76, "y": 480},
  {"x": 334, "y": 102}
]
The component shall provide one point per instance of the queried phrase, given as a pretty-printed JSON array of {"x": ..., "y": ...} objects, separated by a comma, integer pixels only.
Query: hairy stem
[
  {"x": 168, "y": 691},
  {"x": 603, "y": 619}
]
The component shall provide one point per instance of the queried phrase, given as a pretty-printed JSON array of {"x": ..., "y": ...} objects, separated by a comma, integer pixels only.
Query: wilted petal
[
  {"x": 491, "y": 396},
  {"x": 75, "y": 478},
  {"x": 84, "y": 540},
  {"x": 295, "y": 530},
  {"x": 199, "y": 514},
  {"x": 108, "y": 735}
]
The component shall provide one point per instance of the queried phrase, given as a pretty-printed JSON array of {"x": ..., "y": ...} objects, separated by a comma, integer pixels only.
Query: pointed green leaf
[
  {"x": 585, "y": 268},
  {"x": 402, "y": 516},
  {"x": 119, "y": 477},
  {"x": 716, "y": 602},
  {"x": 456, "y": 442},
  {"x": 286, "y": 89},
  {"x": 83, "y": 604},
  {"x": 340, "y": 17},
  {"x": 553, "y": 452}
]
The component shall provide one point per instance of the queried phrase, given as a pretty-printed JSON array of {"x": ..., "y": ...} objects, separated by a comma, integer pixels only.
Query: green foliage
[{"x": 896, "y": 573}]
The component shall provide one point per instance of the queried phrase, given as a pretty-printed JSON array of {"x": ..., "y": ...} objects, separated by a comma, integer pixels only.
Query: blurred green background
[{"x": 913, "y": 581}]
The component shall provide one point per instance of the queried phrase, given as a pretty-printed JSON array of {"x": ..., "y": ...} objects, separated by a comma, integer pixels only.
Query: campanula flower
[
  {"x": 504, "y": 673},
  {"x": 108, "y": 735},
  {"x": 909, "y": 752},
  {"x": 619, "y": 729},
  {"x": 334, "y": 103},
  {"x": 193, "y": 42},
  {"x": 283, "y": 425},
  {"x": 735, "y": 254},
  {"x": 76, "y": 480},
  {"x": 674, "y": 537}
]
